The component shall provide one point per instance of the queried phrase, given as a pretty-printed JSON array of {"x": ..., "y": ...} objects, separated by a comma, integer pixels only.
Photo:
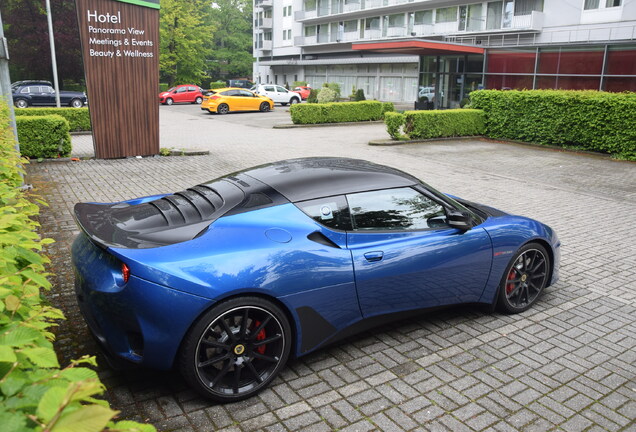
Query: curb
[
  {"x": 294, "y": 126},
  {"x": 392, "y": 142},
  {"x": 173, "y": 152}
]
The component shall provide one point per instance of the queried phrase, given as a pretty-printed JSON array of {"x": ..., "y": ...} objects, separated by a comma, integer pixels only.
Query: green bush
[
  {"x": 336, "y": 112},
  {"x": 78, "y": 118},
  {"x": 359, "y": 95},
  {"x": 299, "y": 84},
  {"x": 313, "y": 96},
  {"x": 36, "y": 394},
  {"x": 43, "y": 136},
  {"x": 394, "y": 123},
  {"x": 217, "y": 84},
  {"x": 443, "y": 123},
  {"x": 326, "y": 95},
  {"x": 163, "y": 87},
  {"x": 333, "y": 86},
  {"x": 387, "y": 107},
  {"x": 590, "y": 120}
]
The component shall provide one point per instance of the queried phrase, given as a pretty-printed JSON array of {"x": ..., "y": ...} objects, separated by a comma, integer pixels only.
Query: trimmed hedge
[
  {"x": 43, "y": 136},
  {"x": 35, "y": 392},
  {"x": 78, "y": 118},
  {"x": 338, "y": 112},
  {"x": 435, "y": 123},
  {"x": 590, "y": 120}
]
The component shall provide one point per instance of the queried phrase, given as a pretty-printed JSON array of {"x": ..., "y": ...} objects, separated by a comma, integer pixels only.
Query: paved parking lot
[{"x": 568, "y": 364}]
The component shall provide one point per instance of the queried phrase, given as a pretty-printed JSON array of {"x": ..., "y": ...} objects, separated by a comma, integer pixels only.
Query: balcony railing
[
  {"x": 264, "y": 3},
  {"x": 265, "y": 23}
]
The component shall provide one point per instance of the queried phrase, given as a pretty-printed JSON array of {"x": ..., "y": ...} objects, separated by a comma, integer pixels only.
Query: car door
[
  {"x": 181, "y": 94},
  {"x": 43, "y": 95},
  {"x": 405, "y": 256},
  {"x": 270, "y": 92},
  {"x": 283, "y": 94},
  {"x": 233, "y": 99}
]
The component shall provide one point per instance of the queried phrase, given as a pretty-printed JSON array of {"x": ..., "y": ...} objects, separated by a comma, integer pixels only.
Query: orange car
[{"x": 303, "y": 91}]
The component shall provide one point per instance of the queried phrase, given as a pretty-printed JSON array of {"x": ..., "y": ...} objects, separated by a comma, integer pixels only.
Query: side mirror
[{"x": 460, "y": 220}]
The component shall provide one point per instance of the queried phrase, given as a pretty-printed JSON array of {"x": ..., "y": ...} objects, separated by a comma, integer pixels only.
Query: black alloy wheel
[
  {"x": 524, "y": 280},
  {"x": 223, "y": 109},
  {"x": 236, "y": 349},
  {"x": 264, "y": 107}
]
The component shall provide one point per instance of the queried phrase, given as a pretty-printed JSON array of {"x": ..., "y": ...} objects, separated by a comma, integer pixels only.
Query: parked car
[
  {"x": 227, "y": 279},
  {"x": 225, "y": 100},
  {"x": 34, "y": 93},
  {"x": 303, "y": 91},
  {"x": 241, "y": 83},
  {"x": 185, "y": 93},
  {"x": 277, "y": 93}
]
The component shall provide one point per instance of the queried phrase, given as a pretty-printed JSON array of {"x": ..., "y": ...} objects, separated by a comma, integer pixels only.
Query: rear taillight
[{"x": 125, "y": 272}]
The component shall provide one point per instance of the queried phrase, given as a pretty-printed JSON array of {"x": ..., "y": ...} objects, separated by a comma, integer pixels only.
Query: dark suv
[{"x": 29, "y": 93}]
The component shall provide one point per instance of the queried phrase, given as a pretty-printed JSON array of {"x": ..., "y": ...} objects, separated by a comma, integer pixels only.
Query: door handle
[{"x": 374, "y": 256}]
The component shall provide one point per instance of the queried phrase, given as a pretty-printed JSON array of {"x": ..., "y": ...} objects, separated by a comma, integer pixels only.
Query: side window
[
  {"x": 270, "y": 88},
  {"x": 281, "y": 89},
  {"x": 245, "y": 93},
  {"x": 332, "y": 212},
  {"x": 230, "y": 93},
  {"x": 25, "y": 90},
  {"x": 395, "y": 209},
  {"x": 181, "y": 90},
  {"x": 47, "y": 89},
  {"x": 191, "y": 89}
]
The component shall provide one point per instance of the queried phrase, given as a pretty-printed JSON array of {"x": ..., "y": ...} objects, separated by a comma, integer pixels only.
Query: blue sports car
[{"x": 227, "y": 279}]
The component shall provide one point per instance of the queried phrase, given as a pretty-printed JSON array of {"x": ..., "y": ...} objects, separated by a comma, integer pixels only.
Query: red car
[
  {"x": 303, "y": 91},
  {"x": 182, "y": 93}
]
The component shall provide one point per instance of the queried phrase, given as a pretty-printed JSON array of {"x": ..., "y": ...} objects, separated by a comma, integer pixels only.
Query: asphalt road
[{"x": 567, "y": 364}]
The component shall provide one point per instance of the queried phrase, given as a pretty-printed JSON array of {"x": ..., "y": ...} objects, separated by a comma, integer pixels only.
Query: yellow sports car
[{"x": 228, "y": 99}]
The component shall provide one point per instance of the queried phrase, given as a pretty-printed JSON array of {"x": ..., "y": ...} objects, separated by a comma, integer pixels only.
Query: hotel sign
[{"x": 120, "y": 48}]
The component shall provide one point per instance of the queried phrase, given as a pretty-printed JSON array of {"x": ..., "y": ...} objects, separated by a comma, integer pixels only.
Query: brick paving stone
[{"x": 567, "y": 364}]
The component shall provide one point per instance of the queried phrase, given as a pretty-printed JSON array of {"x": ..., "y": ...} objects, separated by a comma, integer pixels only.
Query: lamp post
[{"x": 53, "y": 59}]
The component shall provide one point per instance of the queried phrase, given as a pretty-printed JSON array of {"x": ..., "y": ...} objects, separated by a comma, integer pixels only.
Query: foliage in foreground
[
  {"x": 435, "y": 123},
  {"x": 591, "y": 120},
  {"x": 338, "y": 112},
  {"x": 36, "y": 394}
]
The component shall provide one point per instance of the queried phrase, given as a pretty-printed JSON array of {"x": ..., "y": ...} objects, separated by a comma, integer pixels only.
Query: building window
[
  {"x": 351, "y": 26},
  {"x": 525, "y": 7},
  {"x": 423, "y": 17},
  {"x": 310, "y": 5},
  {"x": 287, "y": 34},
  {"x": 267, "y": 13},
  {"x": 396, "y": 20},
  {"x": 310, "y": 30},
  {"x": 372, "y": 23},
  {"x": 444, "y": 15},
  {"x": 600, "y": 4},
  {"x": 287, "y": 10},
  {"x": 267, "y": 36}
]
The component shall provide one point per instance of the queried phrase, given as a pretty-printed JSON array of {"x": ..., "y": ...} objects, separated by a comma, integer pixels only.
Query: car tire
[
  {"x": 524, "y": 280},
  {"x": 294, "y": 101},
  {"x": 283, "y": 103},
  {"x": 223, "y": 109},
  {"x": 21, "y": 103},
  {"x": 76, "y": 103},
  {"x": 198, "y": 100},
  {"x": 169, "y": 101},
  {"x": 236, "y": 349},
  {"x": 264, "y": 107}
]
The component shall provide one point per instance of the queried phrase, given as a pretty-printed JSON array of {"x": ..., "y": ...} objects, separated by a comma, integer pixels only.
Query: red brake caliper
[
  {"x": 510, "y": 286},
  {"x": 259, "y": 337}
]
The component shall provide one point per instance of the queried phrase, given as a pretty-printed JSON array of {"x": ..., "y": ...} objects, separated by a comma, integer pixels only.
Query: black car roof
[{"x": 310, "y": 178}]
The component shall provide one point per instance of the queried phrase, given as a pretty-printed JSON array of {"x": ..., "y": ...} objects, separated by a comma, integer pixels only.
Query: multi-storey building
[{"x": 402, "y": 50}]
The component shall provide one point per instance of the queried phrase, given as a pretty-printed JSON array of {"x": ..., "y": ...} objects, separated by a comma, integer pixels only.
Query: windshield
[{"x": 170, "y": 89}]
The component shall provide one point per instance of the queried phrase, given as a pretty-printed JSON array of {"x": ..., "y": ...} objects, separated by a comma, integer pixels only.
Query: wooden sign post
[{"x": 120, "y": 47}]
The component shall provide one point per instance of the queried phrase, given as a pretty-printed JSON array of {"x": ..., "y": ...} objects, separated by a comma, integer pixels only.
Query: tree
[
  {"x": 26, "y": 30},
  {"x": 185, "y": 32},
  {"x": 232, "y": 39}
]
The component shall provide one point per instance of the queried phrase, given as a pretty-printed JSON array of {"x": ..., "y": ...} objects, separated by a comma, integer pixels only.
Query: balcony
[
  {"x": 265, "y": 23},
  {"x": 264, "y": 46},
  {"x": 264, "y": 3}
]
